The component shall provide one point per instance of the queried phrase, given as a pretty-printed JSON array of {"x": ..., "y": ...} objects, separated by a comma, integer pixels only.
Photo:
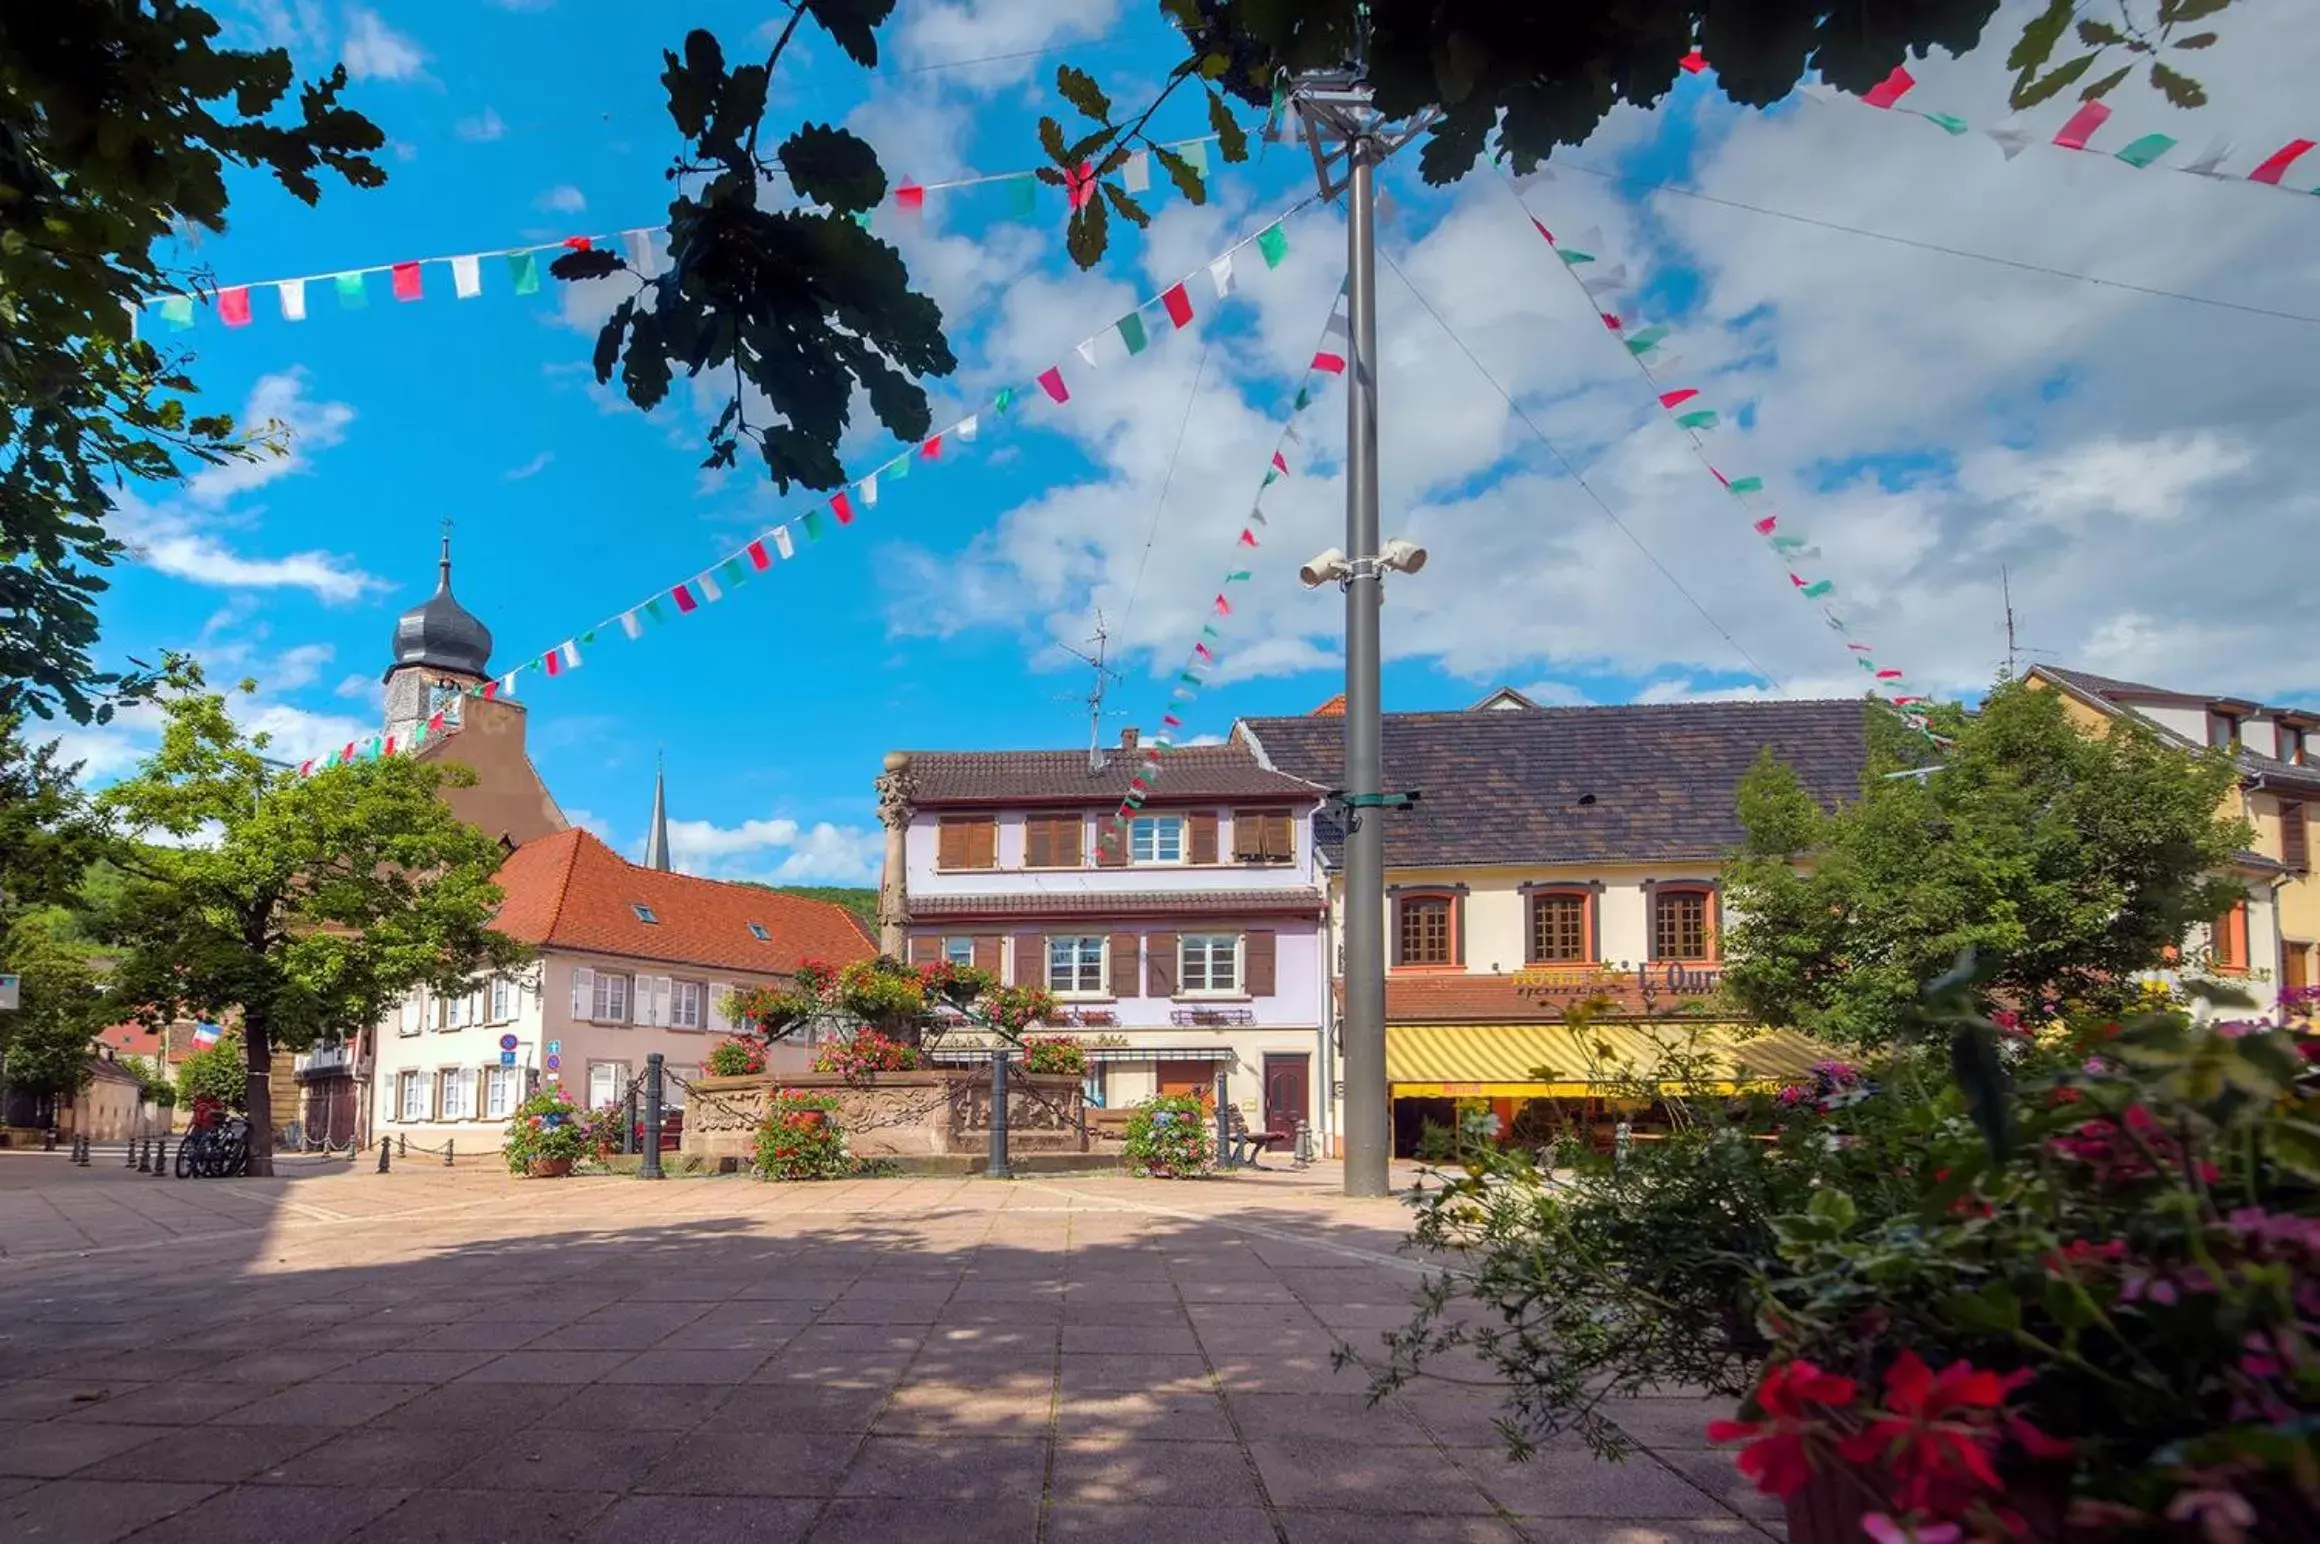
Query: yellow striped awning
[{"x": 1553, "y": 1061}]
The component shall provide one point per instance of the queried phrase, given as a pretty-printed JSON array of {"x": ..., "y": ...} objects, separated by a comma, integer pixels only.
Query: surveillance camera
[
  {"x": 1402, "y": 556},
  {"x": 1327, "y": 568}
]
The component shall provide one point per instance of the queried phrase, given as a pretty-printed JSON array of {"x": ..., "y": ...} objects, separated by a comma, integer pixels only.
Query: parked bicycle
[{"x": 215, "y": 1148}]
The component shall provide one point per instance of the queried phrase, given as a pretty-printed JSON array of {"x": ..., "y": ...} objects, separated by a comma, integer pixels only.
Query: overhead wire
[
  {"x": 1167, "y": 480},
  {"x": 1574, "y": 474}
]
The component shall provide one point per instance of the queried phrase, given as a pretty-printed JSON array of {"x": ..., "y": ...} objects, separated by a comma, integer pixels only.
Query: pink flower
[
  {"x": 2223, "y": 1516},
  {"x": 1935, "y": 1433},
  {"x": 1885, "y": 1530}
]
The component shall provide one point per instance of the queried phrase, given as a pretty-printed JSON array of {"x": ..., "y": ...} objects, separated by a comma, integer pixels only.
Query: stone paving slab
[{"x": 450, "y": 1354}]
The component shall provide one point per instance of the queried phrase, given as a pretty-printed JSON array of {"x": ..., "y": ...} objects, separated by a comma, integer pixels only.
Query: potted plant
[
  {"x": 798, "y": 1139},
  {"x": 864, "y": 1055},
  {"x": 545, "y": 1136},
  {"x": 1058, "y": 1055},
  {"x": 1171, "y": 1137}
]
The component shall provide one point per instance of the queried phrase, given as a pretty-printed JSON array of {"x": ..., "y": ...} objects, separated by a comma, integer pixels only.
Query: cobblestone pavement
[{"x": 450, "y": 1354}]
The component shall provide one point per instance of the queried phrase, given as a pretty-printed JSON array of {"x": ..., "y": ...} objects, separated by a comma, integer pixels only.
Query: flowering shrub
[
  {"x": 547, "y": 1125},
  {"x": 799, "y": 1137},
  {"x": 1054, "y": 1054},
  {"x": 1171, "y": 1137},
  {"x": 864, "y": 1056},
  {"x": 904, "y": 1003},
  {"x": 736, "y": 1058}
]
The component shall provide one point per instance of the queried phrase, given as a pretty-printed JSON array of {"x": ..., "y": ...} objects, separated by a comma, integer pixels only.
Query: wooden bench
[{"x": 1248, "y": 1145}]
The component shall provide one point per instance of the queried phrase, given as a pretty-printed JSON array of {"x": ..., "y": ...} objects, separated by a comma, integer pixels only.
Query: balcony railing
[
  {"x": 323, "y": 1061},
  {"x": 1212, "y": 1018}
]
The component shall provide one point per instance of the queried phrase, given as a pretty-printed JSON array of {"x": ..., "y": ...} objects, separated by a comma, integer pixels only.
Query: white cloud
[
  {"x": 778, "y": 850},
  {"x": 482, "y": 128},
  {"x": 376, "y": 51},
  {"x": 363, "y": 688},
  {"x": 989, "y": 43},
  {"x": 299, "y": 666},
  {"x": 531, "y": 468},
  {"x": 299, "y": 25},
  {"x": 281, "y": 411},
  {"x": 563, "y": 198},
  {"x": 171, "y": 541}
]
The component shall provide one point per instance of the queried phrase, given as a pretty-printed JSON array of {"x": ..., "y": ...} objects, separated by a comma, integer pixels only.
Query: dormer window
[
  {"x": 644, "y": 913},
  {"x": 2223, "y": 731},
  {"x": 758, "y": 932}
]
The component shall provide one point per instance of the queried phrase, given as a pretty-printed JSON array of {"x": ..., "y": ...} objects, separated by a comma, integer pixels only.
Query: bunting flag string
[
  {"x": 236, "y": 304},
  {"x": 378, "y": 746},
  {"x": 1328, "y": 360},
  {"x": 2269, "y": 165},
  {"x": 1173, "y": 312},
  {"x": 1695, "y": 418}
]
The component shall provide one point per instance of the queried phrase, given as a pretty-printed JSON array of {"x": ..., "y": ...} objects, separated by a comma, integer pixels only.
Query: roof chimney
[{"x": 1128, "y": 738}]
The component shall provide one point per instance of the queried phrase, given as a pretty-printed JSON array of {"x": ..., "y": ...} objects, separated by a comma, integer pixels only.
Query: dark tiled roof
[
  {"x": 2108, "y": 692},
  {"x": 1132, "y": 903},
  {"x": 1200, "y": 772},
  {"x": 1508, "y": 787}
]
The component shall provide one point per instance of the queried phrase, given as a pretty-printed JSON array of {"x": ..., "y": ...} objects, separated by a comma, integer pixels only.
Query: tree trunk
[{"x": 258, "y": 1093}]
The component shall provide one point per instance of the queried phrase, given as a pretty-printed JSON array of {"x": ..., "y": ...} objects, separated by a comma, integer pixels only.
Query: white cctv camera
[{"x": 1328, "y": 568}]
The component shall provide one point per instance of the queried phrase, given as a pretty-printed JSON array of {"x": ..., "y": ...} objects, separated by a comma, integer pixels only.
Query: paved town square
[{"x": 449, "y": 1354}]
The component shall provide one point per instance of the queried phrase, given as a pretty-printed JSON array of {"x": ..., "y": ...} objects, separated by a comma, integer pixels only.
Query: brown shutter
[
  {"x": 987, "y": 952},
  {"x": 2295, "y": 848},
  {"x": 1160, "y": 965},
  {"x": 1280, "y": 836},
  {"x": 1124, "y": 975},
  {"x": 950, "y": 851},
  {"x": 1068, "y": 832},
  {"x": 1258, "y": 952},
  {"x": 1030, "y": 959},
  {"x": 1203, "y": 837},
  {"x": 983, "y": 844},
  {"x": 1458, "y": 928},
  {"x": 925, "y": 949}
]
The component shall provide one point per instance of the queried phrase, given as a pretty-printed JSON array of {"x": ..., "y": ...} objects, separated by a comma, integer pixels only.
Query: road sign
[
  {"x": 554, "y": 1062},
  {"x": 507, "y": 1058},
  {"x": 555, "y": 1046},
  {"x": 507, "y": 1042}
]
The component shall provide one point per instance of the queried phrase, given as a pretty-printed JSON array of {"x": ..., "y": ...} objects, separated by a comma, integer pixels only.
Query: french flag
[{"x": 204, "y": 1036}]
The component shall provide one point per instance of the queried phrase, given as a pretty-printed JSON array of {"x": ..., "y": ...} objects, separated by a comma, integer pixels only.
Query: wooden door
[{"x": 1287, "y": 1090}]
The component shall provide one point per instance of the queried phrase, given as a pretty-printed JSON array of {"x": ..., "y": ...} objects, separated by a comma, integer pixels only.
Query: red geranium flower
[
  {"x": 1792, "y": 1397},
  {"x": 1939, "y": 1430}
]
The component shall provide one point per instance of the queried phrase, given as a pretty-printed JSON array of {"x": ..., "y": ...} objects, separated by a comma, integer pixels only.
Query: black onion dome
[{"x": 441, "y": 633}]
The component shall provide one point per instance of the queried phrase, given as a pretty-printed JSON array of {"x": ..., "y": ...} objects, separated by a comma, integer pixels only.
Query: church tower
[
  {"x": 656, "y": 836},
  {"x": 440, "y": 651}
]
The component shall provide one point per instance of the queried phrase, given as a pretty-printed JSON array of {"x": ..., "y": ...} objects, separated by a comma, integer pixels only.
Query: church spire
[{"x": 656, "y": 840}]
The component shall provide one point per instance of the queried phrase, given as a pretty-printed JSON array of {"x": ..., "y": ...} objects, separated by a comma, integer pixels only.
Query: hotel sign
[{"x": 1649, "y": 980}]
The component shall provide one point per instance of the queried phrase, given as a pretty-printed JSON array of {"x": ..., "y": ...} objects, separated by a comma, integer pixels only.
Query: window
[
  {"x": 2293, "y": 749},
  {"x": 1263, "y": 836},
  {"x": 1679, "y": 926},
  {"x": 2295, "y": 846},
  {"x": 1209, "y": 962},
  {"x": 1093, "y": 1088},
  {"x": 644, "y": 913},
  {"x": 459, "y": 1093},
  {"x": 1052, "y": 841},
  {"x": 499, "y": 1092},
  {"x": 958, "y": 951},
  {"x": 610, "y": 1005},
  {"x": 684, "y": 1005},
  {"x": 1075, "y": 966},
  {"x": 2228, "y": 946},
  {"x": 503, "y": 1000},
  {"x": 415, "y": 1089},
  {"x": 606, "y": 1082},
  {"x": 412, "y": 1014},
  {"x": 1424, "y": 933},
  {"x": 1156, "y": 839},
  {"x": 458, "y": 1012},
  {"x": 758, "y": 932},
  {"x": 2223, "y": 730},
  {"x": 1558, "y": 928},
  {"x": 967, "y": 842}
]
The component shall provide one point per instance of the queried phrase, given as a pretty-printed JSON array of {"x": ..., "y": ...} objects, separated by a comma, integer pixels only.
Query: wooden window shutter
[
  {"x": 1030, "y": 959},
  {"x": 983, "y": 844},
  {"x": 1458, "y": 928},
  {"x": 1203, "y": 823},
  {"x": 583, "y": 992},
  {"x": 987, "y": 952},
  {"x": 1258, "y": 952},
  {"x": 1125, "y": 977},
  {"x": 1069, "y": 831},
  {"x": 925, "y": 949},
  {"x": 2295, "y": 843},
  {"x": 1280, "y": 835},
  {"x": 1160, "y": 965},
  {"x": 950, "y": 850},
  {"x": 1038, "y": 842}
]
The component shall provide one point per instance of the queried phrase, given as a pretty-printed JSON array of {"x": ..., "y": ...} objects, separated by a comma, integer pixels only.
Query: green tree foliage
[
  {"x": 801, "y": 304},
  {"x": 310, "y": 906},
  {"x": 1522, "y": 79},
  {"x": 2075, "y": 858},
  {"x": 218, "y": 1073},
  {"x": 118, "y": 122},
  {"x": 44, "y": 1045},
  {"x": 861, "y": 900},
  {"x": 46, "y": 836}
]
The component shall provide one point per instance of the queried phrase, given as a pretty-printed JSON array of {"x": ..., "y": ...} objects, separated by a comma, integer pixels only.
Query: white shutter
[
  {"x": 663, "y": 989},
  {"x": 409, "y": 1021},
  {"x": 583, "y": 992},
  {"x": 718, "y": 991}
]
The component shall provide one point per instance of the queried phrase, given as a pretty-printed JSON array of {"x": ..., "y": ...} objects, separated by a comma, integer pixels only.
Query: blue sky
[{"x": 1931, "y": 417}]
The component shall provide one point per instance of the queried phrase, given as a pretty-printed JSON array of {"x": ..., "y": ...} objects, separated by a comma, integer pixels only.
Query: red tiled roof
[
  {"x": 134, "y": 1039},
  {"x": 570, "y": 891},
  {"x": 1333, "y": 708},
  {"x": 1133, "y": 903}
]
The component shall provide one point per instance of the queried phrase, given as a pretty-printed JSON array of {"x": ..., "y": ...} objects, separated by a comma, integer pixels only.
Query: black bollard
[
  {"x": 48, "y": 1140},
  {"x": 402, "y": 1144},
  {"x": 628, "y": 1120},
  {"x": 160, "y": 1157},
  {"x": 1224, "y": 1156},
  {"x": 129, "y": 1154},
  {"x": 651, "y": 1167},
  {"x": 447, "y": 1152},
  {"x": 386, "y": 1146},
  {"x": 145, "y": 1156},
  {"x": 999, "y": 1168}
]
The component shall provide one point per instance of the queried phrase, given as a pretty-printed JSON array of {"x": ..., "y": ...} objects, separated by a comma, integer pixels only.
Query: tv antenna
[
  {"x": 1105, "y": 677},
  {"x": 2006, "y": 588}
]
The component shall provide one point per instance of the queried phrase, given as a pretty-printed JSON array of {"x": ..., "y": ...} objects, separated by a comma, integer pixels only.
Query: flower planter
[
  {"x": 548, "y": 1168},
  {"x": 1830, "y": 1507}
]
